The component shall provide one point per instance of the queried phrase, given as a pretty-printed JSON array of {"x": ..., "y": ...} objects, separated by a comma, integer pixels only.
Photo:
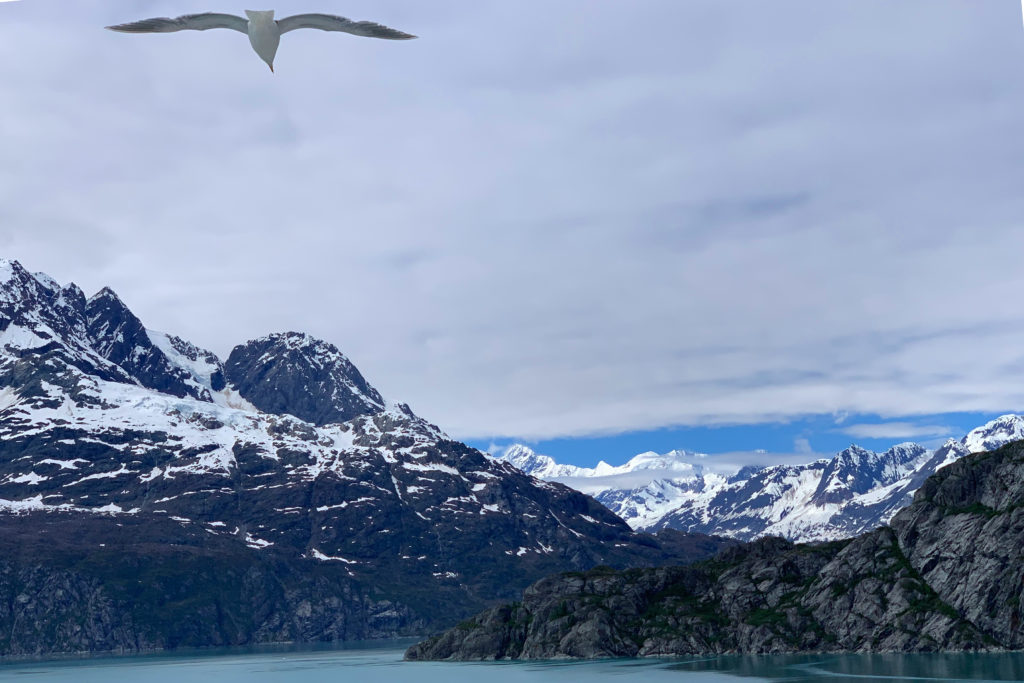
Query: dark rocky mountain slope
[
  {"x": 948, "y": 574},
  {"x": 296, "y": 374},
  {"x": 153, "y": 496}
]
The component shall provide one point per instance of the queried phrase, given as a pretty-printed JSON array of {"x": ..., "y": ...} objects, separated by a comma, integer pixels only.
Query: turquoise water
[{"x": 385, "y": 665}]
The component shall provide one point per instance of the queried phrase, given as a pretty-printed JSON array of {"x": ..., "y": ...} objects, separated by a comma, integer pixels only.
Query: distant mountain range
[
  {"x": 154, "y": 496},
  {"x": 854, "y": 492}
]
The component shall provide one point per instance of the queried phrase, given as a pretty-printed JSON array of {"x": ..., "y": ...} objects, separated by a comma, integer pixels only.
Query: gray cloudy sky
[{"x": 550, "y": 219}]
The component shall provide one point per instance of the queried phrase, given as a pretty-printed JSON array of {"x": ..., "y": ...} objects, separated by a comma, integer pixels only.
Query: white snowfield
[{"x": 211, "y": 430}]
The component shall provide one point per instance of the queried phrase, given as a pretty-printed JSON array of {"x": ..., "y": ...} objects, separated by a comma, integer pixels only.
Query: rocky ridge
[{"x": 946, "y": 575}]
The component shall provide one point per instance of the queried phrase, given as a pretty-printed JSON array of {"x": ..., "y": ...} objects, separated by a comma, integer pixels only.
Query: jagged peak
[
  {"x": 9, "y": 268},
  {"x": 291, "y": 339},
  {"x": 316, "y": 349},
  {"x": 27, "y": 290},
  {"x": 71, "y": 289},
  {"x": 47, "y": 281},
  {"x": 952, "y": 444},
  {"x": 13, "y": 274},
  {"x": 520, "y": 454},
  {"x": 106, "y": 294},
  {"x": 903, "y": 453},
  {"x": 905, "y": 446},
  {"x": 299, "y": 339},
  {"x": 518, "y": 449},
  {"x": 71, "y": 297}
]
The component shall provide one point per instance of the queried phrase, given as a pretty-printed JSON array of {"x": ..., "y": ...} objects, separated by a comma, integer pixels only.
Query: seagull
[{"x": 263, "y": 31}]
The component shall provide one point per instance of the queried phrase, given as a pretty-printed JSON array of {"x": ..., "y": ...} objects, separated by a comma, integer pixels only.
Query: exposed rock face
[
  {"x": 247, "y": 522},
  {"x": 119, "y": 336},
  {"x": 42, "y": 326},
  {"x": 965, "y": 534},
  {"x": 948, "y": 575},
  {"x": 298, "y": 375},
  {"x": 71, "y": 583}
]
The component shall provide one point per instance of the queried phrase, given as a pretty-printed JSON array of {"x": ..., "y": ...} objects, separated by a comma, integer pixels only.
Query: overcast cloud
[
  {"x": 896, "y": 430},
  {"x": 550, "y": 219}
]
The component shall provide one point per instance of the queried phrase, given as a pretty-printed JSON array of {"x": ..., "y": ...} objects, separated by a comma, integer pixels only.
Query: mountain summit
[{"x": 295, "y": 374}]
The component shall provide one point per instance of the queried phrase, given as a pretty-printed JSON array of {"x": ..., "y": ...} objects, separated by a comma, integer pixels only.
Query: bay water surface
[{"x": 383, "y": 664}]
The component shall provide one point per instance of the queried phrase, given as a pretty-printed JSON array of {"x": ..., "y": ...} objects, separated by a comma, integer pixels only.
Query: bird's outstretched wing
[
  {"x": 188, "y": 22},
  {"x": 330, "y": 22}
]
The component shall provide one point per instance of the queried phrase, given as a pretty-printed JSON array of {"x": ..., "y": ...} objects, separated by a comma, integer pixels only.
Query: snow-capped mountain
[
  {"x": 854, "y": 492},
  {"x": 994, "y": 434},
  {"x": 283, "y": 454},
  {"x": 676, "y": 463},
  {"x": 541, "y": 466}
]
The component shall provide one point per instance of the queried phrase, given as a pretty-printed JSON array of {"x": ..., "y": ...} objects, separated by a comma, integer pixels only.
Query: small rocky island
[{"x": 947, "y": 574}]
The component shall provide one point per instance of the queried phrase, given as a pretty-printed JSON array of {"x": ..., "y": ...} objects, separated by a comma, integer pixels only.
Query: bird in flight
[{"x": 263, "y": 30}]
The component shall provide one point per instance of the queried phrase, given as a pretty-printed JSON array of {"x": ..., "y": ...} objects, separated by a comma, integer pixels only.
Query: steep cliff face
[
  {"x": 72, "y": 583},
  {"x": 965, "y": 534},
  {"x": 119, "y": 336},
  {"x": 299, "y": 375},
  {"x": 948, "y": 575}
]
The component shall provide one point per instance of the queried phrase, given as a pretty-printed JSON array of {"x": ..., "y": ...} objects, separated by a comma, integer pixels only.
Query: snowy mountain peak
[
  {"x": 303, "y": 376},
  {"x": 119, "y": 336},
  {"x": 526, "y": 460},
  {"x": 16, "y": 282},
  {"x": 301, "y": 340},
  {"x": 993, "y": 434},
  {"x": 72, "y": 296},
  {"x": 907, "y": 449},
  {"x": 47, "y": 281},
  {"x": 107, "y": 294},
  {"x": 676, "y": 464},
  {"x": 38, "y": 319},
  {"x": 856, "y": 471},
  {"x": 11, "y": 270},
  {"x": 677, "y": 460}
]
